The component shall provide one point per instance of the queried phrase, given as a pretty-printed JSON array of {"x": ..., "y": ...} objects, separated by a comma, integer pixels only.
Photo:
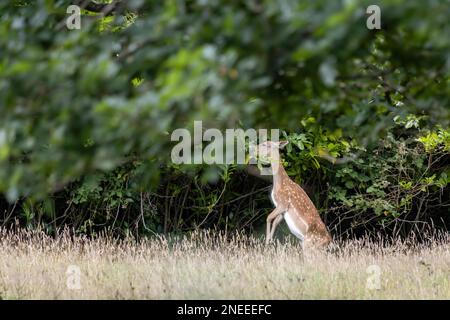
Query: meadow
[{"x": 205, "y": 265}]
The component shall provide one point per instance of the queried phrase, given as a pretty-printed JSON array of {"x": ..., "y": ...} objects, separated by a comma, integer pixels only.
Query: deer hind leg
[
  {"x": 277, "y": 212},
  {"x": 314, "y": 243},
  {"x": 307, "y": 244}
]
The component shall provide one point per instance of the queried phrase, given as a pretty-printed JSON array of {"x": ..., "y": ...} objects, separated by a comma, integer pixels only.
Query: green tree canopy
[{"x": 73, "y": 102}]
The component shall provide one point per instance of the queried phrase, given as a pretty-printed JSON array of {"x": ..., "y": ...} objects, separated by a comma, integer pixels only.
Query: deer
[{"x": 291, "y": 202}]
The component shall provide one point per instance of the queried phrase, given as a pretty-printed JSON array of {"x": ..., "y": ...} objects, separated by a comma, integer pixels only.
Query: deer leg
[
  {"x": 275, "y": 224},
  {"x": 275, "y": 213}
]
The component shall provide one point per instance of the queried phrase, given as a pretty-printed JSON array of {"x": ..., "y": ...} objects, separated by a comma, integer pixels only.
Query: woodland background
[{"x": 86, "y": 115}]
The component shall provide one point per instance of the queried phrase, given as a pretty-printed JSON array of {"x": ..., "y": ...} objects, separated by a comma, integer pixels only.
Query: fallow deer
[{"x": 291, "y": 202}]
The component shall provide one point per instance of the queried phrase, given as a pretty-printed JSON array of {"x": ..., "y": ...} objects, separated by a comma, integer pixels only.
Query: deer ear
[{"x": 282, "y": 144}]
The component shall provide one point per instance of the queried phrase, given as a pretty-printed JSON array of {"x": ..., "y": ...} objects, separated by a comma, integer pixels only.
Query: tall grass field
[{"x": 205, "y": 265}]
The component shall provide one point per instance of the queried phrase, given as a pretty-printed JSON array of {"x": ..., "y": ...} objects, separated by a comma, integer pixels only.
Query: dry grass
[{"x": 33, "y": 266}]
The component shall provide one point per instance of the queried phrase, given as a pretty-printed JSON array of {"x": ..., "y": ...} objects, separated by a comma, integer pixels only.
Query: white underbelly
[
  {"x": 292, "y": 226},
  {"x": 273, "y": 199}
]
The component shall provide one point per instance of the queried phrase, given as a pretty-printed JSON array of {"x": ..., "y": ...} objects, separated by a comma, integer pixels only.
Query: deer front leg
[
  {"x": 273, "y": 215},
  {"x": 275, "y": 224}
]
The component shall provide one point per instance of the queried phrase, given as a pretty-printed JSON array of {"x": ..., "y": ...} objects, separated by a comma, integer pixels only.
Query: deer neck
[{"x": 278, "y": 172}]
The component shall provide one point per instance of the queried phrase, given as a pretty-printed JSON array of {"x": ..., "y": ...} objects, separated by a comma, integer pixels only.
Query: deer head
[{"x": 268, "y": 151}]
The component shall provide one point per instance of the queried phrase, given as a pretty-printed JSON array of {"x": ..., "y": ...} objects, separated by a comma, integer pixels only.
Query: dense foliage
[{"x": 86, "y": 114}]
